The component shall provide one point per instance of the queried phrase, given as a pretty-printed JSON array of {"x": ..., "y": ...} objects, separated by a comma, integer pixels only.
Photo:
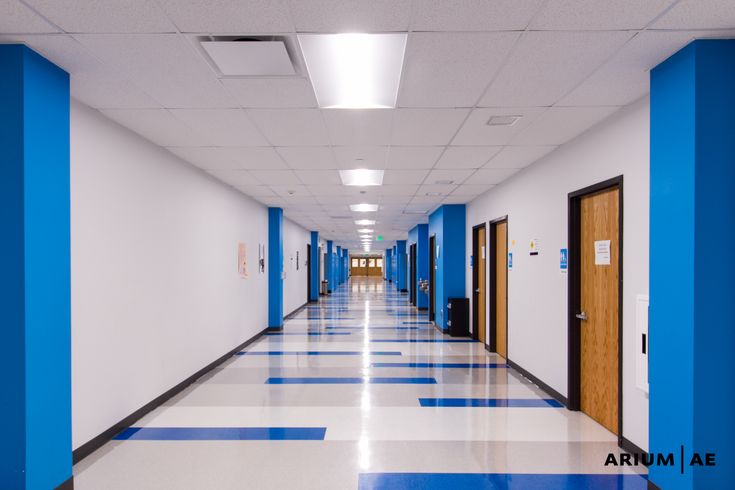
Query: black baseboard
[
  {"x": 629, "y": 447},
  {"x": 548, "y": 389},
  {"x": 67, "y": 485},
  {"x": 422, "y": 308},
  {"x": 653, "y": 486},
  {"x": 404, "y": 290},
  {"x": 295, "y": 312},
  {"x": 97, "y": 442}
]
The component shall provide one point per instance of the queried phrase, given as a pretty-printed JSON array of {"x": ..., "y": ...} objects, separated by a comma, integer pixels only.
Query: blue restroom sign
[
  {"x": 563, "y": 260},
  {"x": 510, "y": 261}
]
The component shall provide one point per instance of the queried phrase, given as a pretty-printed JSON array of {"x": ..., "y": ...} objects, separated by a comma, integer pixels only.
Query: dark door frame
[
  {"x": 413, "y": 281},
  {"x": 575, "y": 288},
  {"x": 308, "y": 272},
  {"x": 432, "y": 277},
  {"x": 492, "y": 279},
  {"x": 475, "y": 271}
]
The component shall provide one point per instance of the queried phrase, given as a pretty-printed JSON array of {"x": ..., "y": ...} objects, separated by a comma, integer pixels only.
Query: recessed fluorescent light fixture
[
  {"x": 503, "y": 120},
  {"x": 365, "y": 230},
  {"x": 354, "y": 71},
  {"x": 363, "y": 208},
  {"x": 365, "y": 222},
  {"x": 361, "y": 177}
]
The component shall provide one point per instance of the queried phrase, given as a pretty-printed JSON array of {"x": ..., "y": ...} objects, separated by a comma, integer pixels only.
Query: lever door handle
[
  {"x": 581, "y": 316},
  {"x": 477, "y": 290}
]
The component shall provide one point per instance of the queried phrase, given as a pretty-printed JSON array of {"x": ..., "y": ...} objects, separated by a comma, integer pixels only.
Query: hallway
[{"x": 359, "y": 392}]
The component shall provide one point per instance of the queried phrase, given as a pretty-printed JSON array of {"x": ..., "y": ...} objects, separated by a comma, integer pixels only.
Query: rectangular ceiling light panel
[
  {"x": 250, "y": 58},
  {"x": 361, "y": 177},
  {"x": 365, "y": 222},
  {"x": 363, "y": 208},
  {"x": 354, "y": 71}
]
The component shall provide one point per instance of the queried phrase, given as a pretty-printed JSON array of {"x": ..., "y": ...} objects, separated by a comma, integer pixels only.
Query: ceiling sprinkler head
[{"x": 291, "y": 192}]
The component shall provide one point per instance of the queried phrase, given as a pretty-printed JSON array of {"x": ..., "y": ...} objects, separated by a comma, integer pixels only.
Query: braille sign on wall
[
  {"x": 510, "y": 261},
  {"x": 563, "y": 260},
  {"x": 602, "y": 252}
]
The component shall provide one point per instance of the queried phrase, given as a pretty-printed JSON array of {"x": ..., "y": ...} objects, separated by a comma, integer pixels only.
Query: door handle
[
  {"x": 581, "y": 316},
  {"x": 477, "y": 290}
]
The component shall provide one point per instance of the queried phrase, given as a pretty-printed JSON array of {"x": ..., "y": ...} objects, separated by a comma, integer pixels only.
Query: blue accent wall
[
  {"x": 692, "y": 312},
  {"x": 275, "y": 267},
  {"x": 389, "y": 264},
  {"x": 338, "y": 266},
  {"x": 419, "y": 235},
  {"x": 331, "y": 286},
  {"x": 35, "y": 285},
  {"x": 314, "y": 266},
  {"x": 346, "y": 263},
  {"x": 448, "y": 224},
  {"x": 401, "y": 263}
]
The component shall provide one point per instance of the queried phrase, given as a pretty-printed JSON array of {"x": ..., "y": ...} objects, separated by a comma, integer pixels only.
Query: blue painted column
[
  {"x": 346, "y": 264},
  {"x": 314, "y": 266},
  {"x": 338, "y": 265},
  {"x": 388, "y": 263},
  {"x": 394, "y": 266},
  {"x": 692, "y": 312},
  {"x": 448, "y": 224},
  {"x": 330, "y": 266},
  {"x": 35, "y": 296},
  {"x": 401, "y": 262},
  {"x": 275, "y": 268}
]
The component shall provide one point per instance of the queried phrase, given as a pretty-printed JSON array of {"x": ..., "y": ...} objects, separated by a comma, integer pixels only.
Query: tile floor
[{"x": 360, "y": 392}]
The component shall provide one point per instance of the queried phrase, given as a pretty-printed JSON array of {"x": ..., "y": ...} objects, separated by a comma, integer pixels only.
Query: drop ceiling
[{"x": 562, "y": 65}]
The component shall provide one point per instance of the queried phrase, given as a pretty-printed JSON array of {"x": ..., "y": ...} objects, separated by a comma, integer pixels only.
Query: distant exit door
[{"x": 595, "y": 289}]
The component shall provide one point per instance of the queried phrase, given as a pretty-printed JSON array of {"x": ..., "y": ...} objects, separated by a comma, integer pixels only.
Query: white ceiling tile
[
  {"x": 699, "y": 14},
  {"x": 413, "y": 157},
  {"x": 276, "y": 177},
  {"x": 471, "y": 190},
  {"x": 518, "y": 156},
  {"x": 373, "y": 157},
  {"x": 229, "y": 16},
  {"x": 473, "y": 15},
  {"x": 445, "y": 69},
  {"x": 222, "y": 127},
  {"x": 359, "y": 127},
  {"x": 625, "y": 78},
  {"x": 401, "y": 177},
  {"x": 467, "y": 156},
  {"x": 491, "y": 176},
  {"x": 560, "y": 124},
  {"x": 157, "y": 125},
  {"x": 419, "y": 207},
  {"x": 547, "y": 65},
  {"x": 112, "y": 16},
  {"x": 235, "y": 177},
  {"x": 318, "y": 177},
  {"x": 308, "y": 157},
  {"x": 18, "y": 19},
  {"x": 61, "y": 49},
  {"x": 275, "y": 202},
  {"x": 399, "y": 190},
  {"x": 271, "y": 92},
  {"x": 256, "y": 190},
  {"x": 104, "y": 89},
  {"x": 456, "y": 176},
  {"x": 320, "y": 190},
  {"x": 426, "y": 126},
  {"x": 165, "y": 66},
  {"x": 230, "y": 158},
  {"x": 561, "y": 15},
  {"x": 334, "y": 16},
  {"x": 432, "y": 190},
  {"x": 287, "y": 191},
  {"x": 476, "y": 131},
  {"x": 457, "y": 199},
  {"x": 291, "y": 127}
]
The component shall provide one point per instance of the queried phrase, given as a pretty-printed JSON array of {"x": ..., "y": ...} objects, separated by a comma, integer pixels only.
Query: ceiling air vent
[
  {"x": 252, "y": 56},
  {"x": 503, "y": 120}
]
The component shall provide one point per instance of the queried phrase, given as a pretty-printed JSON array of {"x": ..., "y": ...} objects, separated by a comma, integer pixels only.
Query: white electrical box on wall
[{"x": 641, "y": 341}]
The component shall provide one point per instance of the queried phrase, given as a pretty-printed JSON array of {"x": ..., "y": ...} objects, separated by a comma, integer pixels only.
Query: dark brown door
[
  {"x": 599, "y": 303},
  {"x": 480, "y": 265},
  {"x": 501, "y": 288}
]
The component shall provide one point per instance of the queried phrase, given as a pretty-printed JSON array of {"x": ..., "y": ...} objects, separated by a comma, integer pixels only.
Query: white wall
[
  {"x": 535, "y": 201},
  {"x": 295, "y": 239},
  {"x": 156, "y": 294}
]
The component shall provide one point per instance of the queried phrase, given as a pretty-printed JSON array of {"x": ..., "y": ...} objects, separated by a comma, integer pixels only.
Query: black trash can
[{"x": 458, "y": 317}]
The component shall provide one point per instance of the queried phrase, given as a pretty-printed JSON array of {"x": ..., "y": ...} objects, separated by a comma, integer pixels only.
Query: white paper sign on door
[
  {"x": 483, "y": 251},
  {"x": 602, "y": 252}
]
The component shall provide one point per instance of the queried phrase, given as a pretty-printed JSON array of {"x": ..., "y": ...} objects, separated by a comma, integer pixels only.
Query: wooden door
[
  {"x": 432, "y": 278},
  {"x": 481, "y": 290},
  {"x": 599, "y": 255},
  {"x": 501, "y": 288}
]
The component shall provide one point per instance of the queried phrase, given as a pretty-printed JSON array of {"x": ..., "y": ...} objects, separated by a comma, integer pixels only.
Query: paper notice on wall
[
  {"x": 242, "y": 260},
  {"x": 602, "y": 252}
]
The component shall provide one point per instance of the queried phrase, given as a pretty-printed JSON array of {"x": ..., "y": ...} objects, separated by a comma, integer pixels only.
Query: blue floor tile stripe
[
  {"x": 319, "y": 353},
  {"x": 349, "y": 381},
  {"x": 439, "y": 365},
  {"x": 491, "y": 402},
  {"x": 222, "y": 434},
  {"x": 419, "y": 323},
  {"x": 276, "y": 334},
  {"x": 378, "y": 328},
  {"x": 419, "y": 341},
  {"x": 498, "y": 481}
]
